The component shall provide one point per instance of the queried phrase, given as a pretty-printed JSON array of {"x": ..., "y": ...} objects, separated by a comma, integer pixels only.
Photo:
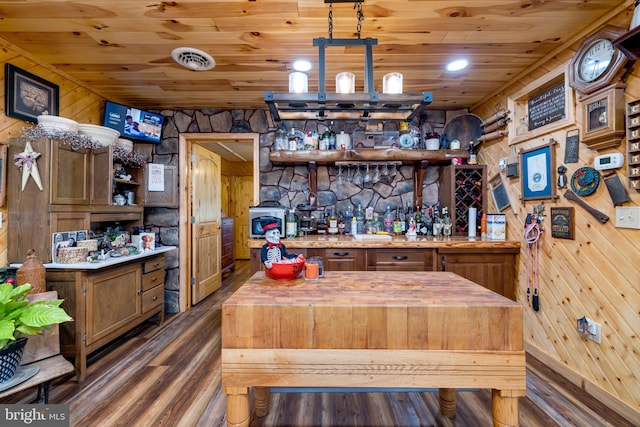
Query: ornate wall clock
[{"x": 597, "y": 63}]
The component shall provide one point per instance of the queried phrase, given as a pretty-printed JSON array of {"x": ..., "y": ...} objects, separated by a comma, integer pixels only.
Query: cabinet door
[
  {"x": 101, "y": 176},
  {"x": 113, "y": 300},
  {"x": 344, "y": 259},
  {"x": 495, "y": 271},
  {"x": 167, "y": 198},
  {"x": 70, "y": 174}
]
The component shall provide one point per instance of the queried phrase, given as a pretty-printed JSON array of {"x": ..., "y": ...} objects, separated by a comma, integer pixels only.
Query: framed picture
[
  {"x": 28, "y": 96},
  {"x": 562, "y": 223},
  {"x": 538, "y": 167},
  {"x": 3, "y": 173},
  {"x": 147, "y": 242}
]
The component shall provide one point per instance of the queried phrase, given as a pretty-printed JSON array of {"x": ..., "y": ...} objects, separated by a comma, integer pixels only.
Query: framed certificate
[{"x": 538, "y": 172}]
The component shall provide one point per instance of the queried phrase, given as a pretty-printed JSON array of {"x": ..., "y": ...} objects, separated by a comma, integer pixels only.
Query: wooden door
[
  {"x": 205, "y": 223},
  {"x": 241, "y": 198}
]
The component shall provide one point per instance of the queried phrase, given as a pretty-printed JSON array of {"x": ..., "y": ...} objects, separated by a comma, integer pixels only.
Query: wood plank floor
[{"x": 170, "y": 376}]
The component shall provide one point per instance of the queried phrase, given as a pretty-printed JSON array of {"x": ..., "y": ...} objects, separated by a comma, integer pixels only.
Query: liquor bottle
[
  {"x": 326, "y": 135},
  {"x": 346, "y": 217},
  {"x": 417, "y": 217},
  {"x": 388, "y": 220},
  {"x": 354, "y": 226},
  {"x": 397, "y": 222},
  {"x": 408, "y": 216},
  {"x": 333, "y": 222},
  {"x": 322, "y": 226},
  {"x": 360, "y": 218},
  {"x": 332, "y": 138},
  {"x": 472, "y": 154},
  {"x": 291, "y": 225},
  {"x": 293, "y": 140}
]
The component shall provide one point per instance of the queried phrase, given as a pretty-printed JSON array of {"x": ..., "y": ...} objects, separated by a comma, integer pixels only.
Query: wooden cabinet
[
  {"x": 493, "y": 269},
  {"x": 463, "y": 187},
  {"x": 228, "y": 254},
  {"x": 343, "y": 259},
  {"x": 169, "y": 198},
  {"x": 76, "y": 195},
  {"x": 401, "y": 259},
  {"x": 105, "y": 303}
]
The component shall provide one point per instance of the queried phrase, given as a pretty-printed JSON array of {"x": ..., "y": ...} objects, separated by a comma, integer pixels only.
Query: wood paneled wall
[
  {"x": 596, "y": 275},
  {"x": 76, "y": 102}
]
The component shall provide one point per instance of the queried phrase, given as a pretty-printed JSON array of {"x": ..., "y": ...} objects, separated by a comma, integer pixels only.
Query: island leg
[
  {"x": 261, "y": 400},
  {"x": 504, "y": 408},
  {"x": 237, "y": 406},
  {"x": 448, "y": 402}
]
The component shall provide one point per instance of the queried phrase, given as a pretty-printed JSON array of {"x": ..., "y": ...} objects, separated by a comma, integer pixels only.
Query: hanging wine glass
[
  {"x": 393, "y": 171},
  {"x": 339, "y": 176},
  {"x": 367, "y": 176},
  {"x": 357, "y": 178},
  {"x": 385, "y": 170},
  {"x": 376, "y": 175},
  {"x": 349, "y": 179}
]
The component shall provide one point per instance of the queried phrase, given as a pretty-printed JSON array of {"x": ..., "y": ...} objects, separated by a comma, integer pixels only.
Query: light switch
[{"x": 628, "y": 217}]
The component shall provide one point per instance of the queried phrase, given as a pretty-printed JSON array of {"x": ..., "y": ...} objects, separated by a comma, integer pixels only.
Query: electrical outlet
[
  {"x": 503, "y": 163},
  {"x": 589, "y": 329}
]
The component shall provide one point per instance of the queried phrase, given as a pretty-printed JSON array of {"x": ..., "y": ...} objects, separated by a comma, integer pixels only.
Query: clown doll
[{"x": 273, "y": 250}]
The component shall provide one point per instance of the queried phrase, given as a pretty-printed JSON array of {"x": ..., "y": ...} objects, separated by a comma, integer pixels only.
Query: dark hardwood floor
[{"x": 170, "y": 376}]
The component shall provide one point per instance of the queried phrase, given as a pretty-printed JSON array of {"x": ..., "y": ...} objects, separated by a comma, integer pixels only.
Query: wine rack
[
  {"x": 633, "y": 144},
  {"x": 463, "y": 187}
]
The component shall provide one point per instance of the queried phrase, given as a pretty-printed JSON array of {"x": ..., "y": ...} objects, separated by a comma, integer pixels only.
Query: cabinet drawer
[
  {"x": 344, "y": 259},
  {"x": 152, "y": 298},
  {"x": 400, "y": 259},
  {"x": 153, "y": 264},
  {"x": 153, "y": 279}
]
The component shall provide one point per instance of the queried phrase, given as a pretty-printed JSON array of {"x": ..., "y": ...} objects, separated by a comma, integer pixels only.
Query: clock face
[{"x": 595, "y": 61}]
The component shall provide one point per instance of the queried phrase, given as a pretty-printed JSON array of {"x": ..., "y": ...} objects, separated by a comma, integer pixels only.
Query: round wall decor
[{"x": 585, "y": 181}]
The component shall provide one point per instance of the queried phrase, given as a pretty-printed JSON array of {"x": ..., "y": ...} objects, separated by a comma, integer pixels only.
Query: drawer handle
[
  {"x": 154, "y": 298},
  {"x": 154, "y": 279},
  {"x": 157, "y": 265},
  {"x": 399, "y": 258},
  {"x": 341, "y": 253}
]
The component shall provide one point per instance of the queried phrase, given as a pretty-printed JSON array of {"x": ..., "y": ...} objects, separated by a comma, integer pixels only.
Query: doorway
[{"x": 186, "y": 143}]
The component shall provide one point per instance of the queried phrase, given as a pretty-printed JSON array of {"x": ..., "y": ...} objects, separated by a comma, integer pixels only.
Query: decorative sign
[
  {"x": 562, "y": 223},
  {"x": 547, "y": 106},
  {"x": 572, "y": 145},
  {"x": 499, "y": 193}
]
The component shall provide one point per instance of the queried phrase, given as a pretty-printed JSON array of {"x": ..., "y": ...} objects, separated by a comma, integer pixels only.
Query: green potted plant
[{"x": 18, "y": 319}]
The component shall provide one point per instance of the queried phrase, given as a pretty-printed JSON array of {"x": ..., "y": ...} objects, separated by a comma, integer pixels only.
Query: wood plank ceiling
[{"x": 122, "y": 49}]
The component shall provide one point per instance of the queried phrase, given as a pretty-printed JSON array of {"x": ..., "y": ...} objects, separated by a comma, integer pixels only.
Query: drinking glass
[
  {"x": 376, "y": 175},
  {"x": 357, "y": 178},
  {"x": 339, "y": 176},
  {"x": 349, "y": 179},
  {"x": 367, "y": 176}
]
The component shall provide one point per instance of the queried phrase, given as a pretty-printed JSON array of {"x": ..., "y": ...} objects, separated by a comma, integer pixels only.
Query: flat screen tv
[{"x": 133, "y": 123}]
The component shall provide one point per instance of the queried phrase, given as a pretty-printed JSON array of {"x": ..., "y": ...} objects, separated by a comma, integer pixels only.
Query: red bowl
[{"x": 285, "y": 271}]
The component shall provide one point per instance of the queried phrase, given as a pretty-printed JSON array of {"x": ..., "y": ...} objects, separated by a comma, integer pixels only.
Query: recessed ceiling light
[
  {"x": 301, "y": 65},
  {"x": 457, "y": 65},
  {"x": 193, "y": 59}
]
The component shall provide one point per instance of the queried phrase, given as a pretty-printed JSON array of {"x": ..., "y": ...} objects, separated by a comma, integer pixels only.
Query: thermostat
[{"x": 608, "y": 161}]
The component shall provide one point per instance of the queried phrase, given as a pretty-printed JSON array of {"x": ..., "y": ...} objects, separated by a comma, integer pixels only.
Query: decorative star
[{"x": 27, "y": 161}]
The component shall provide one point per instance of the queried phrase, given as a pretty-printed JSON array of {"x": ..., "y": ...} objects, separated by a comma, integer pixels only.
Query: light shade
[
  {"x": 392, "y": 83},
  {"x": 298, "y": 82},
  {"x": 345, "y": 83}
]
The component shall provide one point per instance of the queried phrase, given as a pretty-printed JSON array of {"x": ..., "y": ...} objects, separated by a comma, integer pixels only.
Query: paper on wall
[{"x": 156, "y": 177}]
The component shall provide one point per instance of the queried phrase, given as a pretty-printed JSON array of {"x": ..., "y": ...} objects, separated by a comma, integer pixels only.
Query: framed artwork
[
  {"x": 3, "y": 173},
  {"x": 562, "y": 223},
  {"x": 538, "y": 167},
  {"x": 499, "y": 193},
  {"x": 28, "y": 96}
]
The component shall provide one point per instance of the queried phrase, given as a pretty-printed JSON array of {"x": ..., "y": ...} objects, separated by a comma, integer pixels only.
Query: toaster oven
[{"x": 261, "y": 215}]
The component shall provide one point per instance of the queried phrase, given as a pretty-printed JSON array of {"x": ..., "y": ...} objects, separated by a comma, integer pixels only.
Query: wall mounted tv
[{"x": 133, "y": 123}]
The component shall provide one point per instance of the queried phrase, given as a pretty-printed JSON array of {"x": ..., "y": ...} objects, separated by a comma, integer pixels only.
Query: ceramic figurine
[{"x": 273, "y": 250}]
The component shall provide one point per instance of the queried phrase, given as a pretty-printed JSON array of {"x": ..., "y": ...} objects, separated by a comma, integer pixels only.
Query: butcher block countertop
[{"x": 388, "y": 241}]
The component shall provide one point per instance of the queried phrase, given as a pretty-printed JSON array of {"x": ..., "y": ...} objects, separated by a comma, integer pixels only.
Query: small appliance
[{"x": 263, "y": 213}]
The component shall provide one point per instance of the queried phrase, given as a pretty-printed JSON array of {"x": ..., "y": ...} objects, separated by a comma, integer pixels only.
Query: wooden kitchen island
[{"x": 371, "y": 330}]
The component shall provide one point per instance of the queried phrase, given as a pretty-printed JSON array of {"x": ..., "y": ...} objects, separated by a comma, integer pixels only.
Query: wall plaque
[
  {"x": 547, "y": 106},
  {"x": 562, "y": 222}
]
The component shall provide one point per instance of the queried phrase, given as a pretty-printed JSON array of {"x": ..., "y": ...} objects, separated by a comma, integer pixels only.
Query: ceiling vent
[{"x": 193, "y": 59}]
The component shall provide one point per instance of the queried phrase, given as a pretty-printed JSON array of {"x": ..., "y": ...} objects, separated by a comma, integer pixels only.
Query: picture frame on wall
[
  {"x": 29, "y": 96},
  {"x": 3, "y": 173},
  {"x": 563, "y": 223},
  {"x": 538, "y": 167}
]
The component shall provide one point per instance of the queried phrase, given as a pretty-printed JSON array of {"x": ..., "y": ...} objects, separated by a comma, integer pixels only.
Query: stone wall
[{"x": 287, "y": 184}]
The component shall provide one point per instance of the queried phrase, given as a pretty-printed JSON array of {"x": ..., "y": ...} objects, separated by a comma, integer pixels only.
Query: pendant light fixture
[{"x": 391, "y": 104}]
